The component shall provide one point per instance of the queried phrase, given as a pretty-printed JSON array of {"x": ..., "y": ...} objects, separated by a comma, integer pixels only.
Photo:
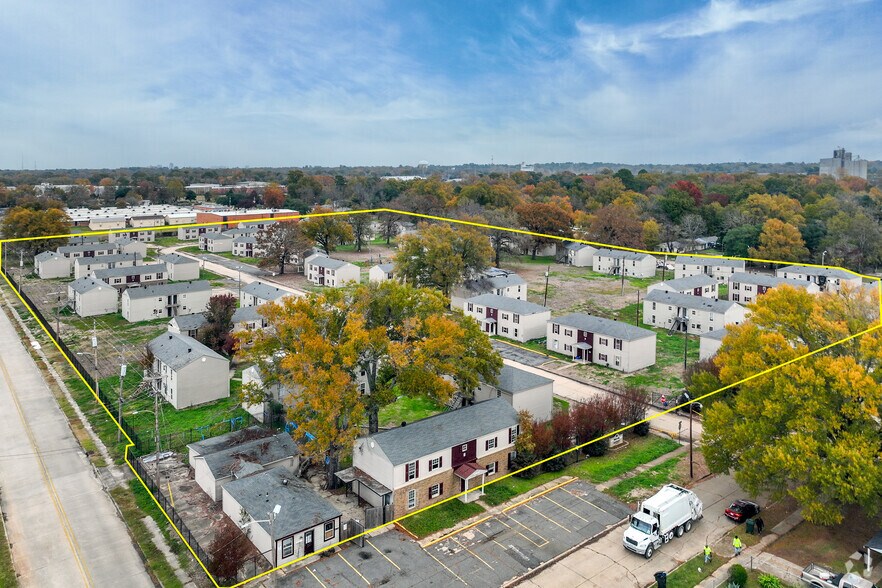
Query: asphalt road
[{"x": 63, "y": 527}]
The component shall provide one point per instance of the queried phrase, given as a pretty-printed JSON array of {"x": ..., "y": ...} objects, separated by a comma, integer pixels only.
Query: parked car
[
  {"x": 820, "y": 577},
  {"x": 684, "y": 404},
  {"x": 741, "y": 510}
]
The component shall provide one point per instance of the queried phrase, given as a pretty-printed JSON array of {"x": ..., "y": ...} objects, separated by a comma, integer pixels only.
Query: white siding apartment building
[
  {"x": 710, "y": 343},
  {"x": 381, "y": 272},
  {"x": 92, "y": 297},
  {"x": 216, "y": 243},
  {"x": 84, "y": 266},
  {"x": 180, "y": 268},
  {"x": 719, "y": 269},
  {"x": 745, "y": 288},
  {"x": 50, "y": 264},
  {"x": 89, "y": 250},
  {"x": 664, "y": 309},
  {"x": 186, "y": 372},
  {"x": 334, "y": 273},
  {"x": 616, "y": 262},
  {"x": 246, "y": 246},
  {"x": 699, "y": 285},
  {"x": 141, "y": 236},
  {"x": 580, "y": 254},
  {"x": 122, "y": 278},
  {"x": 508, "y": 317},
  {"x": 257, "y": 293},
  {"x": 127, "y": 245},
  {"x": 828, "y": 279},
  {"x": 490, "y": 281},
  {"x": 614, "y": 344},
  {"x": 107, "y": 223},
  {"x": 523, "y": 390},
  {"x": 194, "y": 233},
  {"x": 166, "y": 301}
]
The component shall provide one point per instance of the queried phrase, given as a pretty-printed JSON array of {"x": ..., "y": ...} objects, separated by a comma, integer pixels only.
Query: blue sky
[{"x": 112, "y": 83}]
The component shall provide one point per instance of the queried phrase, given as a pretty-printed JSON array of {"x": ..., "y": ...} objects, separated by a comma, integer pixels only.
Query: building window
[
  {"x": 512, "y": 434},
  {"x": 568, "y": 332},
  {"x": 555, "y": 328},
  {"x": 411, "y": 471},
  {"x": 515, "y": 332},
  {"x": 516, "y": 318},
  {"x": 567, "y": 347},
  {"x": 435, "y": 491},
  {"x": 504, "y": 329},
  {"x": 603, "y": 341},
  {"x": 411, "y": 499},
  {"x": 471, "y": 307},
  {"x": 601, "y": 357},
  {"x": 479, "y": 310},
  {"x": 554, "y": 344},
  {"x": 618, "y": 360},
  {"x": 504, "y": 316},
  {"x": 492, "y": 468},
  {"x": 490, "y": 444},
  {"x": 434, "y": 464},
  {"x": 287, "y": 547},
  {"x": 329, "y": 530}
]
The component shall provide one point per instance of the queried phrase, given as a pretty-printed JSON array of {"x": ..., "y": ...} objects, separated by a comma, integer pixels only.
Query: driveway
[{"x": 518, "y": 354}]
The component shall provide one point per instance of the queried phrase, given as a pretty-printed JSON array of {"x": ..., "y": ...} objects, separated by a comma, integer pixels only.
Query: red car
[{"x": 741, "y": 510}]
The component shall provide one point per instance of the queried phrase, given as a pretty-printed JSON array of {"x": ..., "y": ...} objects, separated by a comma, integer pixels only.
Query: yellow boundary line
[{"x": 131, "y": 444}]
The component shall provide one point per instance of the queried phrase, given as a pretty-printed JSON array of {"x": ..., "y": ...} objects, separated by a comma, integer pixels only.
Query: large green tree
[
  {"x": 327, "y": 231},
  {"x": 281, "y": 243},
  {"x": 27, "y": 222}
]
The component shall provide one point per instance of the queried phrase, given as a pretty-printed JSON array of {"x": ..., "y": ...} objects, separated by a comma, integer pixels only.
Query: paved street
[
  {"x": 606, "y": 562},
  {"x": 63, "y": 526}
]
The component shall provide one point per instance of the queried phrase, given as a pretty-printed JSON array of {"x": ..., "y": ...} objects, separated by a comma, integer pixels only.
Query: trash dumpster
[
  {"x": 661, "y": 579},
  {"x": 749, "y": 526}
]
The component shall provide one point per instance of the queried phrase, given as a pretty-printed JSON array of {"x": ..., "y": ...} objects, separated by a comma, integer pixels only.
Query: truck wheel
[
  {"x": 688, "y": 526},
  {"x": 649, "y": 552},
  {"x": 680, "y": 531}
]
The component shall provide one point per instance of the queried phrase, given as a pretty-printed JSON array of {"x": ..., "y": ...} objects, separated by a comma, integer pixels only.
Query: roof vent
[
  {"x": 403, "y": 423},
  {"x": 189, "y": 349},
  {"x": 169, "y": 337},
  {"x": 284, "y": 481}
]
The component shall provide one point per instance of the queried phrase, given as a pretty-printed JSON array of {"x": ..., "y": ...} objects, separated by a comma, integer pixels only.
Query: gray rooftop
[
  {"x": 514, "y": 380},
  {"x": 137, "y": 270},
  {"x": 107, "y": 258},
  {"x": 576, "y": 246},
  {"x": 722, "y": 262},
  {"x": 246, "y": 314},
  {"x": 87, "y": 284},
  {"x": 177, "y": 351},
  {"x": 829, "y": 272},
  {"x": 302, "y": 508},
  {"x": 167, "y": 289},
  {"x": 46, "y": 255},
  {"x": 445, "y": 430},
  {"x": 603, "y": 326},
  {"x": 245, "y": 239},
  {"x": 88, "y": 247},
  {"x": 766, "y": 280},
  {"x": 229, "y": 461},
  {"x": 691, "y": 282},
  {"x": 689, "y": 301},
  {"x": 176, "y": 259},
  {"x": 507, "y": 304},
  {"x": 226, "y": 440},
  {"x": 216, "y": 236},
  {"x": 386, "y": 267},
  {"x": 717, "y": 334},
  {"x": 189, "y": 322},
  {"x": 328, "y": 262},
  {"x": 619, "y": 254},
  {"x": 264, "y": 291}
]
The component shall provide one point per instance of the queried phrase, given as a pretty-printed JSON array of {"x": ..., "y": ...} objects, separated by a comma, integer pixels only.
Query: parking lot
[
  {"x": 519, "y": 354},
  {"x": 488, "y": 553}
]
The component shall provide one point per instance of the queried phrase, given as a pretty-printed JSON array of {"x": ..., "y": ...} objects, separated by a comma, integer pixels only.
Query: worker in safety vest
[
  {"x": 707, "y": 554},
  {"x": 736, "y": 543}
]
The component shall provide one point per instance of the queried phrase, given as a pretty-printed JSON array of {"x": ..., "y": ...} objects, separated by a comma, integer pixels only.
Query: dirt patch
[{"x": 699, "y": 467}]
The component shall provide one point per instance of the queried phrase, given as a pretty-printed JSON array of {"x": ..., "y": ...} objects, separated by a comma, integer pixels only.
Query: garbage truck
[{"x": 670, "y": 512}]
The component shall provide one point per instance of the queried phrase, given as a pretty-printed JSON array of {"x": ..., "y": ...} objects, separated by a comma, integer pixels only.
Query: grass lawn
[
  {"x": 408, "y": 409},
  {"x": 441, "y": 517},
  {"x": 688, "y": 576},
  {"x": 192, "y": 249},
  {"x": 723, "y": 291},
  {"x": 242, "y": 259},
  {"x": 595, "y": 469},
  {"x": 204, "y": 274},
  {"x": 7, "y": 572},
  {"x": 560, "y": 403},
  {"x": 540, "y": 259},
  {"x": 168, "y": 241},
  {"x": 653, "y": 478}
]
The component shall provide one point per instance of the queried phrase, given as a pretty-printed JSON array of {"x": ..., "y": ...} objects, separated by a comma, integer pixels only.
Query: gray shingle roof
[
  {"x": 177, "y": 351},
  {"x": 88, "y": 247},
  {"x": 302, "y": 508},
  {"x": 603, "y": 326},
  {"x": 514, "y": 380},
  {"x": 137, "y": 270},
  {"x": 245, "y": 239},
  {"x": 689, "y": 301},
  {"x": 189, "y": 322},
  {"x": 176, "y": 259},
  {"x": 386, "y": 267},
  {"x": 328, "y": 262},
  {"x": 766, "y": 280},
  {"x": 691, "y": 282},
  {"x": 227, "y": 462},
  {"x": 717, "y": 334},
  {"x": 107, "y": 258},
  {"x": 46, "y": 255},
  {"x": 576, "y": 246},
  {"x": 87, "y": 284},
  {"x": 445, "y": 430},
  {"x": 507, "y": 304},
  {"x": 226, "y": 440},
  {"x": 264, "y": 291},
  {"x": 489, "y": 282},
  {"x": 722, "y": 262},
  {"x": 216, "y": 236},
  {"x": 829, "y": 272},
  {"x": 167, "y": 289},
  {"x": 246, "y": 314},
  {"x": 618, "y": 254}
]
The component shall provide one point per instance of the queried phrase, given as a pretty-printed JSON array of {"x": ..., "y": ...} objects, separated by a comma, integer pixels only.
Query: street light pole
[
  {"x": 637, "y": 312},
  {"x": 545, "y": 300},
  {"x": 239, "y": 283},
  {"x": 122, "y": 374},
  {"x": 823, "y": 255},
  {"x": 685, "y": 341},
  {"x": 691, "y": 473}
]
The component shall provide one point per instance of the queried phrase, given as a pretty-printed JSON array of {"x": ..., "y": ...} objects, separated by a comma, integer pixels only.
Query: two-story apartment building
[
  {"x": 709, "y": 343},
  {"x": 246, "y": 246},
  {"x": 698, "y": 285},
  {"x": 720, "y": 269},
  {"x": 589, "y": 338},
  {"x": 165, "y": 301},
  {"x": 490, "y": 281},
  {"x": 130, "y": 277},
  {"x": 507, "y": 317},
  {"x": 579, "y": 254},
  {"x": 216, "y": 242},
  {"x": 334, "y": 273},
  {"x": 693, "y": 314},
  {"x": 84, "y": 266},
  {"x": 428, "y": 460},
  {"x": 91, "y": 297},
  {"x": 186, "y": 372},
  {"x": 179, "y": 267},
  {"x": 629, "y": 263},
  {"x": 142, "y": 236},
  {"x": 257, "y": 293},
  {"x": 89, "y": 250},
  {"x": 745, "y": 288},
  {"x": 193, "y": 233},
  {"x": 828, "y": 279},
  {"x": 127, "y": 245},
  {"x": 50, "y": 264},
  {"x": 523, "y": 390},
  {"x": 381, "y": 272}
]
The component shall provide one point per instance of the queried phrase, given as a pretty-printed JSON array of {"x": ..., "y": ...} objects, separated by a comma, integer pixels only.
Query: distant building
[
  {"x": 50, "y": 264},
  {"x": 828, "y": 279},
  {"x": 508, "y": 317},
  {"x": 187, "y": 372},
  {"x": 579, "y": 254},
  {"x": 842, "y": 165},
  {"x": 614, "y": 344},
  {"x": 697, "y": 285},
  {"x": 179, "y": 267},
  {"x": 382, "y": 272},
  {"x": 169, "y": 300},
  {"x": 490, "y": 281},
  {"x": 327, "y": 271},
  {"x": 84, "y": 266},
  {"x": 745, "y": 288},
  {"x": 122, "y": 278},
  {"x": 523, "y": 390},
  {"x": 91, "y": 297},
  {"x": 668, "y": 310},
  {"x": 257, "y": 293},
  {"x": 720, "y": 268},
  {"x": 629, "y": 263}
]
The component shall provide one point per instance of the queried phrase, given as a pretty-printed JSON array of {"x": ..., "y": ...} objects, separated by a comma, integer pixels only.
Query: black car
[
  {"x": 741, "y": 510},
  {"x": 684, "y": 404}
]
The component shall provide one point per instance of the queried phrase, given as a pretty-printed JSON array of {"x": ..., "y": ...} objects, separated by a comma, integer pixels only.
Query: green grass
[
  {"x": 204, "y": 274},
  {"x": 595, "y": 469},
  {"x": 192, "y": 249},
  {"x": 168, "y": 241},
  {"x": 7, "y": 572},
  {"x": 229, "y": 255},
  {"x": 688, "y": 576},
  {"x": 441, "y": 517},
  {"x": 540, "y": 259},
  {"x": 723, "y": 291},
  {"x": 654, "y": 477},
  {"x": 560, "y": 404},
  {"x": 408, "y": 409},
  {"x": 133, "y": 510}
]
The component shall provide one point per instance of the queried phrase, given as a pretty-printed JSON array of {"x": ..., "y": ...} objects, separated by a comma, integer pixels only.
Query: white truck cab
[{"x": 669, "y": 513}]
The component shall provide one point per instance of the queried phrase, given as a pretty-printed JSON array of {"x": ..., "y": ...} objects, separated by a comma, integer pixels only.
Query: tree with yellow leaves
[{"x": 780, "y": 241}]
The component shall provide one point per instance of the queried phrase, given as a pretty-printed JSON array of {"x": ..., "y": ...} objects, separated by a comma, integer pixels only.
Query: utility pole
[
  {"x": 637, "y": 318},
  {"x": 20, "y": 268},
  {"x": 545, "y": 301},
  {"x": 664, "y": 267},
  {"x": 95, "y": 342},
  {"x": 122, "y": 374},
  {"x": 156, "y": 425},
  {"x": 691, "y": 473},
  {"x": 685, "y": 340}
]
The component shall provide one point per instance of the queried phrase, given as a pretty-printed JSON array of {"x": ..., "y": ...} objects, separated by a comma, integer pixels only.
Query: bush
[
  {"x": 642, "y": 430},
  {"x": 768, "y": 581},
  {"x": 597, "y": 449},
  {"x": 738, "y": 575},
  {"x": 522, "y": 460}
]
